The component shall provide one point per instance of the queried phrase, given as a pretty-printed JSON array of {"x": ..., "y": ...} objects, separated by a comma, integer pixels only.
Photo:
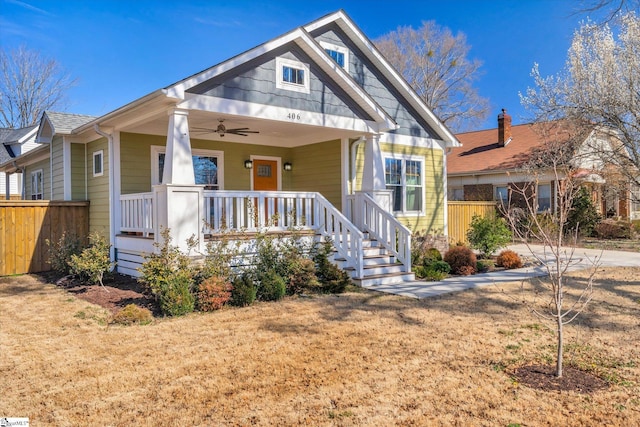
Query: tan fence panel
[
  {"x": 460, "y": 214},
  {"x": 25, "y": 225}
]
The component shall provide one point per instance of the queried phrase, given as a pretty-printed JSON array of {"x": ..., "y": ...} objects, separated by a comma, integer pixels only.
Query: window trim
[
  {"x": 404, "y": 158},
  {"x": 281, "y": 84},
  {"x": 499, "y": 199},
  {"x": 34, "y": 195},
  {"x": 550, "y": 209},
  {"x": 96, "y": 154},
  {"x": 156, "y": 150},
  {"x": 340, "y": 49}
]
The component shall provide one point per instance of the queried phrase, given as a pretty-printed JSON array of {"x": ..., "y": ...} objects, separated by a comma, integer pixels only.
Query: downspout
[
  {"x": 112, "y": 225},
  {"x": 354, "y": 149}
]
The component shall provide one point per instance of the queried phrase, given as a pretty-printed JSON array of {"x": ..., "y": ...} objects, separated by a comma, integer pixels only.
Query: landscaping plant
[
  {"x": 213, "y": 293},
  {"x": 60, "y": 252},
  {"x": 461, "y": 259},
  {"x": 509, "y": 260},
  {"x": 488, "y": 234},
  {"x": 93, "y": 262}
]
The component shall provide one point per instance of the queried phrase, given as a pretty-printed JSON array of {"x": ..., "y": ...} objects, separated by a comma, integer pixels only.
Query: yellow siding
[
  {"x": 57, "y": 165},
  {"x": 78, "y": 172},
  {"x": 98, "y": 189},
  {"x": 317, "y": 167}
]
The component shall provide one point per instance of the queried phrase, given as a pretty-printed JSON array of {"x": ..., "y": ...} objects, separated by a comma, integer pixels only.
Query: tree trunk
[{"x": 560, "y": 345}]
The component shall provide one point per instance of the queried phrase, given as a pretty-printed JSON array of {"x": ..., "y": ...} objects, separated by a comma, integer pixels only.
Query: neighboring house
[
  {"x": 492, "y": 163},
  {"x": 314, "y": 126},
  {"x": 14, "y": 143}
]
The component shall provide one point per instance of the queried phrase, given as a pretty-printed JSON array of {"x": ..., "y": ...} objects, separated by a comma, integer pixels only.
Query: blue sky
[{"x": 120, "y": 50}]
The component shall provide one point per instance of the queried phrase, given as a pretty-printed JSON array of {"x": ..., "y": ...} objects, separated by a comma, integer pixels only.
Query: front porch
[{"x": 370, "y": 243}]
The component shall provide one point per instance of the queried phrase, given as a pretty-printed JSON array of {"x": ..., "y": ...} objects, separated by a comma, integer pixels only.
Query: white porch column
[
  {"x": 373, "y": 182},
  {"x": 178, "y": 163}
]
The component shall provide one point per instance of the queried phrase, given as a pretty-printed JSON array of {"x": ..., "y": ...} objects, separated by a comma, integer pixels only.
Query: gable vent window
[
  {"x": 340, "y": 54},
  {"x": 292, "y": 75}
]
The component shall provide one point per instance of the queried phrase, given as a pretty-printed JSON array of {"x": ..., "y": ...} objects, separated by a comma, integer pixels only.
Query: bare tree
[
  {"x": 29, "y": 85},
  {"x": 434, "y": 62},
  {"x": 553, "y": 163},
  {"x": 598, "y": 87}
]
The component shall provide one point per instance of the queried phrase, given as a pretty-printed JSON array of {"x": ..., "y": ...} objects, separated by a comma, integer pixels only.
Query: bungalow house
[
  {"x": 492, "y": 163},
  {"x": 13, "y": 143},
  {"x": 314, "y": 126}
]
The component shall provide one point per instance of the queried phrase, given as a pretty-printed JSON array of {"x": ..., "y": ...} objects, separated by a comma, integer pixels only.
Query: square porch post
[
  {"x": 373, "y": 181},
  {"x": 179, "y": 201}
]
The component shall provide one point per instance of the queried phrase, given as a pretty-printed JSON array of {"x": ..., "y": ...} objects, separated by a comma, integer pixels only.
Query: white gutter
[{"x": 112, "y": 225}]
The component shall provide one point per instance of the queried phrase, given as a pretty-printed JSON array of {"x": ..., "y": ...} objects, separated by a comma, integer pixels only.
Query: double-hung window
[
  {"x": 207, "y": 167},
  {"x": 404, "y": 176},
  {"x": 502, "y": 195},
  {"x": 544, "y": 197},
  {"x": 292, "y": 75},
  {"x": 37, "y": 190}
]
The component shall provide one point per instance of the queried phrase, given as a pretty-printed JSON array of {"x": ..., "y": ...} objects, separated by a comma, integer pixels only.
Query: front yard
[{"x": 359, "y": 358}]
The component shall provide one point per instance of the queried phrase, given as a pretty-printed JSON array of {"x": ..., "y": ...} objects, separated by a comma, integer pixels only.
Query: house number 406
[{"x": 293, "y": 116}]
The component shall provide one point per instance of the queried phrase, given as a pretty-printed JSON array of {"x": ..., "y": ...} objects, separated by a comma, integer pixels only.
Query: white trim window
[
  {"x": 404, "y": 176},
  {"x": 37, "y": 185},
  {"x": 207, "y": 167},
  {"x": 340, "y": 54},
  {"x": 98, "y": 163},
  {"x": 544, "y": 197},
  {"x": 292, "y": 75}
]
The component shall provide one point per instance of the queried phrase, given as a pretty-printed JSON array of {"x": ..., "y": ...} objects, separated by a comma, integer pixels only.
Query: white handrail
[{"x": 385, "y": 228}]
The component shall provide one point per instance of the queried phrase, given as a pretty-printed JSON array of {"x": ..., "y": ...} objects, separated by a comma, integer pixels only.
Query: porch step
[
  {"x": 385, "y": 279},
  {"x": 371, "y": 260}
]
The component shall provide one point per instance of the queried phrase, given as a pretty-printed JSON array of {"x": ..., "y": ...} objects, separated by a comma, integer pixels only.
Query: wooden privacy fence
[
  {"x": 460, "y": 214},
  {"x": 25, "y": 225}
]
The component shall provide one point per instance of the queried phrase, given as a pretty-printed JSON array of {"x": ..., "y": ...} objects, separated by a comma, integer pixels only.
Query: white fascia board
[
  {"x": 411, "y": 141},
  {"x": 28, "y": 135},
  {"x": 365, "y": 44},
  {"x": 270, "y": 112},
  {"x": 30, "y": 157}
]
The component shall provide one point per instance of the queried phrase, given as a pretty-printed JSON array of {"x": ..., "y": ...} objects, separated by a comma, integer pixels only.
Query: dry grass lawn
[{"x": 356, "y": 359}]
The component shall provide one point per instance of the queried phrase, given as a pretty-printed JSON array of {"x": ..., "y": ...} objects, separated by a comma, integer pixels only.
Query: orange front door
[{"x": 265, "y": 175}]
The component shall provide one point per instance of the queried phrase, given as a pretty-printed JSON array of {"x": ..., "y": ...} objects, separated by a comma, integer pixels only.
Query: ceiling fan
[{"x": 222, "y": 130}]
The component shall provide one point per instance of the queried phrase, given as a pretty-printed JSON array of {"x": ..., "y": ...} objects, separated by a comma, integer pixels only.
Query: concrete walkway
[{"x": 582, "y": 258}]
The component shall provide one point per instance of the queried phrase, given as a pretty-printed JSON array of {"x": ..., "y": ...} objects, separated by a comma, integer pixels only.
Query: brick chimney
[{"x": 504, "y": 128}]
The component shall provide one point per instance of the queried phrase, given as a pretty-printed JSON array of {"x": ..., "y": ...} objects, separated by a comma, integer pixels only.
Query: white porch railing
[
  {"x": 254, "y": 211},
  {"x": 382, "y": 226},
  {"x": 136, "y": 213}
]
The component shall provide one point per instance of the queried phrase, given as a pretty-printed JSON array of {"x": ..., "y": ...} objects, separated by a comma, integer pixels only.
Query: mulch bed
[
  {"x": 543, "y": 377},
  {"x": 118, "y": 291}
]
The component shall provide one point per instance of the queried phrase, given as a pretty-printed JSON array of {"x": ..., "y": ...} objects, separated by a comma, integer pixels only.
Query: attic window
[
  {"x": 340, "y": 54},
  {"x": 292, "y": 75},
  {"x": 98, "y": 163}
]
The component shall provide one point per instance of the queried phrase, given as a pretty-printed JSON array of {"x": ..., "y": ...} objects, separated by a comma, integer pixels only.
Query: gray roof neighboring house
[{"x": 10, "y": 137}]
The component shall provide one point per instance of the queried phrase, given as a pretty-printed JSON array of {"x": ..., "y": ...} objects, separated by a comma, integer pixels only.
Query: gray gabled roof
[
  {"x": 12, "y": 136},
  {"x": 64, "y": 123}
]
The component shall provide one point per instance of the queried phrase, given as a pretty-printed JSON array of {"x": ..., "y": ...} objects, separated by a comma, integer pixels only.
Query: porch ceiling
[{"x": 272, "y": 132}]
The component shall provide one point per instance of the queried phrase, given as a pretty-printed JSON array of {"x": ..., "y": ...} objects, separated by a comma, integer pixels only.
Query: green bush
[
  {"x": 462, "y": 260},
  {"x": 132, "y": 314},
  {"x": 488, "y": 234},
  {"x": 60, "y": 252},
  {"x": 93, "y": 262},
  {"x": 169, "y": 276},
  {"x": 436, "y": 270},
  {"x": 272, "y": 287},
  {"x": 422, "y": 248},
  {"x": 583, "y": 215},
  {"x": 485, "y": 265},
  {"x": 332, "y": 279},
  {"x": 243, "y": 292},
  {"x": 213, "y": 293}
]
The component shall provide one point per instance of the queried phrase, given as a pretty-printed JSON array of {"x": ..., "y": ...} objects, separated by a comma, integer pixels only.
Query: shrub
[
  {"x": 423, "y": 245},
  {"x": 132, "y": 314},
  {"x": 488, "y": 234},
  {"x": 213, "y": 293},
  {"x": 509, "y": 260},
  {"x": 485, "y": 265},
  {"x": 461, "y": 259},
  {"x": 169, "y": 277},
  {"x": 332, "y": 279},
  {"x": 60, "y": 252},
  {"x": 272, "y": 287},
  {"x": 437, "y": 270},
  {"x": 302, "y": 276},
  {"x": 613, "y": 229},
  {"x": 93, "y": 262},
  {"x": 243, "y": 292},
  {"x": 583, "y": 215}
]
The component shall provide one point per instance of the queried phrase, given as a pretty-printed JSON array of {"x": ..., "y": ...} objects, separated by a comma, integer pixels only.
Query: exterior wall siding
[
  {"x": 46, "y": 179},
  {"x": 317, "y": 167},
  {"x": 57, "y": 165},
  {"x": 98, "y": 189},
  {"x": 78, "y": 172},
  {"x": 256, "y": 82}
]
